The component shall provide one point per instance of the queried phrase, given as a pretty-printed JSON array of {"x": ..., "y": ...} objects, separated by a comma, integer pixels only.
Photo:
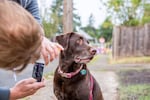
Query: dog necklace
[{"x": 83, "y": 72}]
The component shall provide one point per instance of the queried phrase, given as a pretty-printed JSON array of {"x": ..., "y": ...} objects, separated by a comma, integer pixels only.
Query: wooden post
[
  {"x": 68, "y": 16},
  {"x": 146, "y": 40},
  {"x": 116, "y": 40}
]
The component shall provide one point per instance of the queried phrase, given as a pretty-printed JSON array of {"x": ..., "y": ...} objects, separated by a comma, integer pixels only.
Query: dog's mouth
[{"x": 79, "y": 59}]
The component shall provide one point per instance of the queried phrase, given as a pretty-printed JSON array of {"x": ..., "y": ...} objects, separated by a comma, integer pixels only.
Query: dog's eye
[{"x": 79, "y": 41}]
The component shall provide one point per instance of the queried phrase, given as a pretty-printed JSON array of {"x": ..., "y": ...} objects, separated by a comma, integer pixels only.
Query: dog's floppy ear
[{"x": 64, "y": 39}]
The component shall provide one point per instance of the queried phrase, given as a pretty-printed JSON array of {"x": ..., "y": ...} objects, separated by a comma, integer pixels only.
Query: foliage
[
  {"x": 76, "y": 21},
  {"x": 90, "y": 29},
  {"x": 56, "y": 16},
  {"x": 46, "y": 27},
  {"x": 106, "y": 30},
  {"x": 146, "y": 17},
  {"x": 54, "y": 25},
  {"x": 52, "y": 22},
  {"x": 127, "y": 12}
]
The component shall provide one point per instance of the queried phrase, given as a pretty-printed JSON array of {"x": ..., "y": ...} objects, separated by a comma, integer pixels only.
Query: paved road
[
  {"x": 106, "y": 79},
  {"x": 7, "y": 79}
]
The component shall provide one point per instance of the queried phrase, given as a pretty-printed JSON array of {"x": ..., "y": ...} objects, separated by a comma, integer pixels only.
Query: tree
[
  {"x": 54, "y": 25},
  {"x": 56, "y": 16},
  {"x": 68, "y": 16},
  {"x": 106, "y": 30},
  {"x": 146, "y": 17},
  {"x": 90, "y": 29},
  {"x": 76, "y": 21},
  {"x": 125, "y": 12}
]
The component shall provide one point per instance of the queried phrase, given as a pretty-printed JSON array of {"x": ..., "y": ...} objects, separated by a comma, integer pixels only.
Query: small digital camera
[{"x": 38, "y": 71}]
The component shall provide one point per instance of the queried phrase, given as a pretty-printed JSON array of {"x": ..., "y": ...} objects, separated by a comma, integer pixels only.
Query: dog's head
[{"x": 76, "y": 47}]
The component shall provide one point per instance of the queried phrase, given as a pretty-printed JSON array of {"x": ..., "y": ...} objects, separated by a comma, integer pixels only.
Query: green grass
[
  {"x": 49, "y": 75},
  {"x": 135, "y": 92},
  {"x": 26, "y": 98},
  {"x": 95, "y": 59},
  {"x": 130, "y": 60}
]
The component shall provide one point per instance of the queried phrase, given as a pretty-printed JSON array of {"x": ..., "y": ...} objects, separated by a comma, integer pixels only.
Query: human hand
[
  {"x": 25, "y": 88},
  {"x": 50, "y": 49}
]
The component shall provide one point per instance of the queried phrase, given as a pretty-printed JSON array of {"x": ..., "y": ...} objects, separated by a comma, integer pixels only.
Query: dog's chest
[{"x": 77, "y": 91}]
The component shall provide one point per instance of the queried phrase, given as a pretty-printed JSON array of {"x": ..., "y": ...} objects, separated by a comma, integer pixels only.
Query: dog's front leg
[
  {"x": 57, "y": 89},
  {"x": 59, "y": 94}
]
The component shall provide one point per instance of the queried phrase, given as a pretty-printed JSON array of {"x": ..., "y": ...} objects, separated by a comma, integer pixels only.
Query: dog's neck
[{"x": 68, "y": 64}]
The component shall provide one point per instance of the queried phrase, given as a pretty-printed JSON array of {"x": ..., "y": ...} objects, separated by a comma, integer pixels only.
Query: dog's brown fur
[{"x": 76, "y": 50}]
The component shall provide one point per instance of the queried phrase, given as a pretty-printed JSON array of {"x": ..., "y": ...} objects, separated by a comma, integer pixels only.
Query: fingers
[
  {"x": 29, "y": 80},
  {"x": 31, "y": 88},
  {"x": 25, "y": 88},
  {"x": 31, "y": 83},
  {"x": 35, "y": 86},
  {"x": 53, "y": 50},
  {"x": 45, "y": 55},
  {"x": 26, "y": 81},
  {"x": 50, "y": 49},
  {"x": 59, "y": 47}
]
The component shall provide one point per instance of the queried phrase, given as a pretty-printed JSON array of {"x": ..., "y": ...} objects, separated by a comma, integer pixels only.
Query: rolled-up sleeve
[
  {"x": 33, "y": 8},
  {"x": 4, "y": 93}
]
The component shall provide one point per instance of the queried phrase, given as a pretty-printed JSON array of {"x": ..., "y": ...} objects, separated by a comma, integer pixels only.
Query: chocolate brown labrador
[{"x": 72, "y": 79}]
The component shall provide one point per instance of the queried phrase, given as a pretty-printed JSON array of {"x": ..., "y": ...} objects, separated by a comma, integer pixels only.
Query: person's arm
[
  {"x": 4, "y": 93},
  {"x": 48, "y": 47},
  {"x": 24, "y": 88},
  {"x": 33, "y": 8}
]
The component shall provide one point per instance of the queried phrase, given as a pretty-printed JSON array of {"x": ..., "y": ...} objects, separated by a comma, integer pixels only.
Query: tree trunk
[
  {"x": 147, "y": 40},
  {"x": 68, "y": 16},
  {"x": 116, "y": 38}
]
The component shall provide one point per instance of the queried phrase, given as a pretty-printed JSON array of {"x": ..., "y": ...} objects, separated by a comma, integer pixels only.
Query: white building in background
[{"x": 86, "y": 35}]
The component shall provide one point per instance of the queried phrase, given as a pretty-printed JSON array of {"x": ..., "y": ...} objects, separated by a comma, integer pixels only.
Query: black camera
[{"x": 38, "y": 71}]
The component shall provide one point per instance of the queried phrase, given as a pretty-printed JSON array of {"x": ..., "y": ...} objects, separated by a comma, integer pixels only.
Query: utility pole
[{"x": 68, "y": 16}]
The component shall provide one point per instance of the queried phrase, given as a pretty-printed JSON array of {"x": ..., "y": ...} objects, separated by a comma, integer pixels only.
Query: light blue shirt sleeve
[
  {"x": 32, "y": 7},
  {"x": 4, "y": 93}
]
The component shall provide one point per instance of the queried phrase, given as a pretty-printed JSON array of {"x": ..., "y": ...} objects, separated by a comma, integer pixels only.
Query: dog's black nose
[{"x": 93, "y": 51}]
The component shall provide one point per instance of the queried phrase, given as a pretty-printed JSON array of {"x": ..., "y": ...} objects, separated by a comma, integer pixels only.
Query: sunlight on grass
[
  {"x": 49, "y": 75},
  {"x": 130, "y": 60},
  {"x": 26, "y": 98},
  {"x": 96, "y": 57},
  {"x": 135, "y": 92}
]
